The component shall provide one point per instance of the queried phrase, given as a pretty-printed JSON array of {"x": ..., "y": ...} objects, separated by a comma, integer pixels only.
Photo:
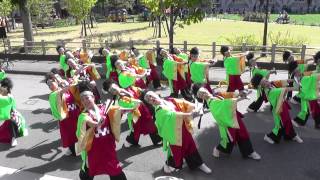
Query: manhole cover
[
  {"x": 167, "y": 178},
  {"x": 31, "y": 102}
]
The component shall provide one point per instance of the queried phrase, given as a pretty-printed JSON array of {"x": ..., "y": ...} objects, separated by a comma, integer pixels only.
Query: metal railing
[{"x": 211, "y": 50}]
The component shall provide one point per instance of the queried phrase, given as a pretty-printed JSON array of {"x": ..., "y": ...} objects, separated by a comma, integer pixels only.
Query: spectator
[{"x": 3, "y": 33}]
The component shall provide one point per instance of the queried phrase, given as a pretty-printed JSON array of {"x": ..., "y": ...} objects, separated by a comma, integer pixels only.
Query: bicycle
[{"x": 5, "y": 64}]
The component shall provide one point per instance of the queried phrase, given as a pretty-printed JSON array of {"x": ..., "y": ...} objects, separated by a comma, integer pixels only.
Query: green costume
[
  {"x": 2, "y": 75},
  {"x": 198, "y": 72},
  {"x": 309, "y": 91},
  {"x": 276, "y": 97},
  {"x": 126, "y": 79},
  {"x": 224, "y": 112},
  {"x": 170, "y": 71},
  {"x": 63, "y": 65},
  {"x": 8, "y": 105}
]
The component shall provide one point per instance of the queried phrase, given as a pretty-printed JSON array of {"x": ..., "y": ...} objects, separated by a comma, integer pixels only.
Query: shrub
[
  {"x": 286, "y": 39},
  {"x": 238, "y": 40},
  {"x": 254, "y": 17},
  {"x": 64, "y": 22}
]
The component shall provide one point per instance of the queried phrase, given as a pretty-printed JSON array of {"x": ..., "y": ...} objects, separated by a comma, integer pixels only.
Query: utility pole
[{"x": 265, "y": 32}]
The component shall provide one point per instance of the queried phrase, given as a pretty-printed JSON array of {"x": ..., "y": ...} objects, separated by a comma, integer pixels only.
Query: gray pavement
[{"x": 39, "y": 155}]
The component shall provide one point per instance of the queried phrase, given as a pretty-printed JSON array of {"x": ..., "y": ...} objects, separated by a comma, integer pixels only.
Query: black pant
[
  {"x": 156, "y": 83},
  {"x": 14, "y": 129},
  {"x": 281, "y": 133},
  {"x": 245, "y": 148},
  {"x": 155, "y": 138},
  {"x": 72, "y": 149},
  {"x": 193, "y": 160},
  {"x": 300, "y": 121},
  {"x": 84, "y": 175},
  {"x": 187, "y": 95},
  {"x": 256, "y": 104}
]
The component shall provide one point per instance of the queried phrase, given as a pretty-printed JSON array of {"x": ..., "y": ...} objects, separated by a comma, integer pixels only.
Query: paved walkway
[{"x": 42, "y": 67}]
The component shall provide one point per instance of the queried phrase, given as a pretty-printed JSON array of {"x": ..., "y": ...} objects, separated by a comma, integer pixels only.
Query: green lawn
[
  {"x": 210, "y": 30},
  {"x": 298, "y": 19},
  {"x": 306, "y": 19}
]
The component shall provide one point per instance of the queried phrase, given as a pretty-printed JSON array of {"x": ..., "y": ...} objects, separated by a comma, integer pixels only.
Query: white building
[{"x": 275, "y": 5}]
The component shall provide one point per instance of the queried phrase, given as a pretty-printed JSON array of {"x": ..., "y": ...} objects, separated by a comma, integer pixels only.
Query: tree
[
  {"x": 266, "y": 21},
  {"x": 26, "y": 18},
  {"x": 40, "y": 11},
  {"x": 173, "y": 9},
  {"x": 309, "y": 2},
  {"x": 5, "y": 9},
  {"x": 80, "y": 9},
  {"x": 117, "y": 4}
]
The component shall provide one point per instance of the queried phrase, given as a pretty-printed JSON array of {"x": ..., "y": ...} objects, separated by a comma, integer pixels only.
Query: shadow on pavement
[
  {"x": 65, "y": 163},
  {"x": 125, "y": 153},
  {"x": 46, "y": 126},
  {"x": 42, "y": 111},
  {"x": 43, "y": 97},
  {"x": 46, "y": 152},
  {"x": 4, "y": 147}
]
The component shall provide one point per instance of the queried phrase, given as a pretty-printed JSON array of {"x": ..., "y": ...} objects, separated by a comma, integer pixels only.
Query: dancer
[
  {"x": 231, "y": 127},
  {"x": 173, "y": 121}
]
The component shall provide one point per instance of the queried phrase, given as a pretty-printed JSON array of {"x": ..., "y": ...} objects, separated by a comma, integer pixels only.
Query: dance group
[{"x": 90, "y": 126}]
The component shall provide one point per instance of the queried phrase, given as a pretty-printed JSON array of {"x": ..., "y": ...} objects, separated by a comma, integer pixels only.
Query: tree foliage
[
  {"x": 6, "y": 7},
  {"x": 40, "y": 10},
  {"x": 195, "y": 8},
  {"x": 26, "y": 19},
  {"x": 80, "y": 8},
  {"x": 189, "y": 11},
  {"x": 117, "y": 4}
]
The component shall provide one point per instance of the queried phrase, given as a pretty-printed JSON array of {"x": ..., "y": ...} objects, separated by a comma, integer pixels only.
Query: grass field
[
  {"x": 210, "y": 30},
  {"x": 206, "y": 32},
  {"x": 297, "y": 19}
]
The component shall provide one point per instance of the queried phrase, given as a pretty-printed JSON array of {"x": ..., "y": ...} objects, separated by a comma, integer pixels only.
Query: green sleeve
[
  {"x": 170, "y": 69},
  {"x": 126, "y": 80},
  {"x": 128, "y": 103},
  {"x": 7, "y": 103},
  {"x": 198, "y": 72},
  {"x": 63, "y": 64},
  {"x": 108, "y": 66},
  {"x": 273, "y": 96},
  {"x": 303, "y": 109},
  {"x": 2, "y": 75},
  {"x": 224, "y": 112},
  {"x": 302, "y": 67},
  {"x": 81, "y": 119},
  {"x": 275, "y": 99},
  {"x": 309, "y": 87},
  {"x": 143, "y": 62},
  {"x": 184, "y": 57},
  {"x": 166, "y": 124},
  {"x": 263, "y": 72},
  {"x": 232, "y": 65},
  {"x": 22, "y": 129},
  {"x": 80, "y": 132},
  {"x": 53, "y": 105}
]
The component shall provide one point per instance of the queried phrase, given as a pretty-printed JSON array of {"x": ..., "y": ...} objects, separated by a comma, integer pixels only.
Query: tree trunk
[
  {"x": 13, "y": 21},
  {"x": 27, "y": 24},
  {"x": 91, "y": 19},
  {"x": 159, "y": 18},
  {"x": 171, "y": 30},
  {"x": 7, "y": 24},
  {"x": 103, "y": 11},
  {"x": 265, "y": 32},
  {"x": 85, "y": 28}
]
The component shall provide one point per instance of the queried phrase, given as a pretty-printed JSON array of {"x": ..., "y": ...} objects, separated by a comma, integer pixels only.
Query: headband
[{"x": 86, "y": 93}]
